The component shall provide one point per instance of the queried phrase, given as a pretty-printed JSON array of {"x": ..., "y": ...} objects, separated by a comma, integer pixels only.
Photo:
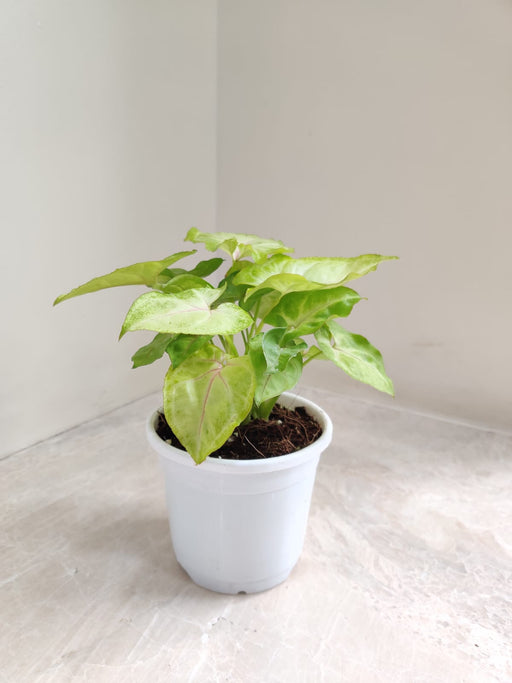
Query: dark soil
[{"x": 286, "y": 431}]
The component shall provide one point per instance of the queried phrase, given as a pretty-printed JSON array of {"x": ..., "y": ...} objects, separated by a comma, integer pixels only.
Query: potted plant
[{"x": 236, "y": 347}]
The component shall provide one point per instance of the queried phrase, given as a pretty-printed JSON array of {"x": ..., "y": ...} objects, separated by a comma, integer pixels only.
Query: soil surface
[{"x": 286, "y": 431}]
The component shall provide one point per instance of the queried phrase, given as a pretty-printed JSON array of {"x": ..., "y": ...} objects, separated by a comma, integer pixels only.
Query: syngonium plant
[{"x": 234, "y": 347}]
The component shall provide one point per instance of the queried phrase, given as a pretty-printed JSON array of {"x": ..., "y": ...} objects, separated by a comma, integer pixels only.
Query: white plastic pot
[{"x": 238, "y": 526}]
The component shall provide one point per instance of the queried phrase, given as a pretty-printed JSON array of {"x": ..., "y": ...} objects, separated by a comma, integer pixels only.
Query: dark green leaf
[
  {"x": 152, "y": 351},
  {"x": 233, "y": 293},
  {"x": 183, "y": 346},
  {"x": 202, "y": 269},
  {"x": 181, "y": 283},
  {"x": 205, "y": 268}
]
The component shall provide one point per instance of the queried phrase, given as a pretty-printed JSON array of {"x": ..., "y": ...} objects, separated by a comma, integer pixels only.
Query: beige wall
[
  {"x": 108, "y": 156},
  {"x": 348, "y": 127}
]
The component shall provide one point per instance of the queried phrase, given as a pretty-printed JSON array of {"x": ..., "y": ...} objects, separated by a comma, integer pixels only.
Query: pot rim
[{"x": 279, "y": 462}]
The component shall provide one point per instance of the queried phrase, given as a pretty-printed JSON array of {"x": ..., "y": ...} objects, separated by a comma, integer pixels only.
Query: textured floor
[{"x": 406, "y": 575}]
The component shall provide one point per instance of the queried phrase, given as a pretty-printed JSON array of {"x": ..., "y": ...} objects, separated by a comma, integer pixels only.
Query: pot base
[{"x": 237, "y": 587}]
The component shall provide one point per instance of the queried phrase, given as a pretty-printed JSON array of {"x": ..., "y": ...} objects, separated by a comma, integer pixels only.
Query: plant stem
[
  {"x": 252, "y": 331},
  {"x": 228, "y": 344}
]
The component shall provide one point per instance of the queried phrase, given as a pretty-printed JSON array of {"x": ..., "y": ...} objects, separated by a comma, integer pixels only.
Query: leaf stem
[
  {"x": 314, "y": 354},
  {"x": 229, "y": 344},
  {"x": 252, "y": 331}
]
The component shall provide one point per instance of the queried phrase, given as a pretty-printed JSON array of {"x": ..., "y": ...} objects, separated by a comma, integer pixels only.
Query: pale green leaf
[
  {"x": 187, "y": 312},
  {"x": 319, "y": 269},
  {"x": 355, "y": 355},
  {"x": 264, "y": 297},
  {"x": 284, "y": 283},
  {"x": 304, "y": 312},
  {"x": 206, "y": 398},
  {"x": 144, "y": 273},
  {"x": 153, "y": 351},
  {"x": 238, "y": 245}
]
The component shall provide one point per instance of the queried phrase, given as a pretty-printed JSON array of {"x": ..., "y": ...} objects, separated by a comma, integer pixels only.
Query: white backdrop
[
  {"x": 108, "y": 157},
  {"x": 349, "y": 127},
  {"x": 340, "y": 127}
]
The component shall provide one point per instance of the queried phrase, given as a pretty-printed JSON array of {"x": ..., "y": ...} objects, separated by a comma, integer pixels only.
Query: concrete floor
[{"x": 406, "y": 574}]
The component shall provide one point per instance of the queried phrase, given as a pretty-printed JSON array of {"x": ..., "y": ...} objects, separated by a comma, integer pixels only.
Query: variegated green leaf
[
  {"x": 322, "y": 269},
  {"x": 304, "y": 312},
  {"x": 206, "y": 398},
  {"x": 144, "y": 273},
  {"x": 238, "y": 245},
  {"x": 355, "y": 355},
  {"x": 265, "y": 296},
  {"x": 187, "y": 312}
]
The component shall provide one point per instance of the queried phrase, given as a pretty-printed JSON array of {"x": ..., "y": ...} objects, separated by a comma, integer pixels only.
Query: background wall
[
  {"x": 341, "y": 127},
  {"x": 348, "y": 127},
  {"x": 108, "y": 157}
]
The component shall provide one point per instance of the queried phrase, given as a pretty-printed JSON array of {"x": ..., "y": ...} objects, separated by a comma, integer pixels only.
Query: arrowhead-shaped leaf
[
  {"x": 304, "y": 312},
  {"x": 355, "y": 355},
  {"x": 238, "y": 245},
  {"x": 267, "y": 295},
  {"x": 206, "y": 398},
  {"x": 322, "y": 269},
  {"x": 187, "y": 312},
  {"x": 144, "y": 273}
]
